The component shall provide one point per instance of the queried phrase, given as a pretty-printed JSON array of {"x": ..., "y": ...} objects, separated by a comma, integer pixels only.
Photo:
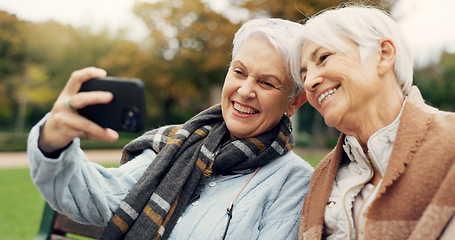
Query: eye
[
  {"x": 238, "y": 72},
  {"x": 324, "y": 57},
  {"x": 268, "y": 84}
]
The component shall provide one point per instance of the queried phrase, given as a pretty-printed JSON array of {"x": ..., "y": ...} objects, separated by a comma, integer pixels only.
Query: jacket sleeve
[{"x": 84, "y": 191}]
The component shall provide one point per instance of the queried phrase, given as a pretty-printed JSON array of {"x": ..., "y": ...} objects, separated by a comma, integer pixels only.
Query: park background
[{"x": 181, "y": 50}]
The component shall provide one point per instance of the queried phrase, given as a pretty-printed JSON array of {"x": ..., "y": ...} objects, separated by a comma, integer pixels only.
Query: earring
[{"x": 290, "y": 123}]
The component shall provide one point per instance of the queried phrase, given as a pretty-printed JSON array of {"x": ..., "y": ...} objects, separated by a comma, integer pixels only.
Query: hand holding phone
[{"x": 126, "y": 112}]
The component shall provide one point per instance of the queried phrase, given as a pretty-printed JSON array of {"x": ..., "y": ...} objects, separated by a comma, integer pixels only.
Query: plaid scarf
[{"x": 186, "y": 153}]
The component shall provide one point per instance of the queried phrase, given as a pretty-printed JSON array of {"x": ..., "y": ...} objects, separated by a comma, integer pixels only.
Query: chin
[{"x": 331, "y": 122}]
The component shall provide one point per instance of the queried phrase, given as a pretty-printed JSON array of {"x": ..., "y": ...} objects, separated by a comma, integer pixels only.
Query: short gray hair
[
  {"x": 280, "y": 34},
  {"x": 365, "y": 25}
]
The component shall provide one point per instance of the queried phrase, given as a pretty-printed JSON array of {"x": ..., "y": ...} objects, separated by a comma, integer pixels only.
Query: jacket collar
[{"x": 410, "y": 134}]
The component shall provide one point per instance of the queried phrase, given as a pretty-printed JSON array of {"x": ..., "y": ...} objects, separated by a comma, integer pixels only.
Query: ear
[
  {"x": 387, "y": 54},
  {"x": 298, "y": 101}
]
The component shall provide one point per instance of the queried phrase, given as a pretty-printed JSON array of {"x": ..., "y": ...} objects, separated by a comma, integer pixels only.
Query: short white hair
[
  {"x": 280, "y": 34},
  {"x": 364, "y": 25}
]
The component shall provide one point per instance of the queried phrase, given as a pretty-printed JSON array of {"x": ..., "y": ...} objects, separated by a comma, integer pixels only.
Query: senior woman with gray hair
[
  {"x": 228, "y": 172},
  {"x": 391, "y": 174}
]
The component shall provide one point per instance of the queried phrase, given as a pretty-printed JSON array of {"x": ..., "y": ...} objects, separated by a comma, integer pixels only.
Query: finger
[
  {"x": 68, "y": 102},
  {"x": 91, "y": 130},
  {"x": 106, "y": 135},
  {"x": 80, "y": 76},
  {"x": 62, "y": 127},
  {"x": 73, "y": 125},
  {"x": 84, "y": 99},
  {"x": 57, "y": 132}
]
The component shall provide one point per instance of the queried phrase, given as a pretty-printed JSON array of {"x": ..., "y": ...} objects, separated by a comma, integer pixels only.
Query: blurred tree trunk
[{"x": 22, "y": 108}]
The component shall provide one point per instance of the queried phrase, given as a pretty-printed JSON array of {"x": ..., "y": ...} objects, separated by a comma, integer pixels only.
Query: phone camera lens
[{"x": 130, "y": 119}]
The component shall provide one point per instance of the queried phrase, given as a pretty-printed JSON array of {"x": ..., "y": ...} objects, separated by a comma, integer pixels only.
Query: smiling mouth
[
  {"x": 244, "y": 110},
  {"x": 326, "y": 95}
]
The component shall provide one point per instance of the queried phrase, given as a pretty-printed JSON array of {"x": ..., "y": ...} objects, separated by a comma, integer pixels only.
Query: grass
[
  {"x": 312, "y": 156},
  {"x": 21, "y": 205},
  {"x": 313, "y": 160}
]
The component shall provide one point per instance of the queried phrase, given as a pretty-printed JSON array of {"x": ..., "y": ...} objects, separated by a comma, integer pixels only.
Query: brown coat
[{"x": 416, "y": 199}]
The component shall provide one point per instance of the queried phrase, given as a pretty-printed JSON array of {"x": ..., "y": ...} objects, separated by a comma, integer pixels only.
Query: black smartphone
[{"x": 126, "y": 112}]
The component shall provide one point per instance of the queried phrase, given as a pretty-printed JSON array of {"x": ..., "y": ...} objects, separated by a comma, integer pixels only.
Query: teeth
[
  {"x": 243, "y": 109},
  {"x": 326, "y": 95}
]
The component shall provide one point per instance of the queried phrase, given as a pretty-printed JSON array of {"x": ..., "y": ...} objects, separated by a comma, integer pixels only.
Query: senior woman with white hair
[
  {"x": 229, "y": 172},
  {"x": 391, "y": 174}
]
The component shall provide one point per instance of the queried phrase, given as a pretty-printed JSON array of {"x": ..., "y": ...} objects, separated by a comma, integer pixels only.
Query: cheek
[
  {"x": 276, "y": 105},
  {"x": 311, "y": 100},
  {"x": 228, "y": 88}
]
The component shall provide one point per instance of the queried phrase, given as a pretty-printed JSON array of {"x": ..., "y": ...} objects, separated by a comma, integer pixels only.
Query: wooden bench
[{"x": 55, "y": 226}]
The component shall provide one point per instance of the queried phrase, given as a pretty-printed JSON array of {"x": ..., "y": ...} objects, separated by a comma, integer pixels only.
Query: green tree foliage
[
  {"x": 31, "y": 88},
  {"x": 12, "y": 43},
  {"x": 299, "y": 10},
  {"x": 185, "y": 55},
  {"x": 292, "y": 10},
  {"x": 35, "y": 63},
  {"x": 437, "y": 82},
  {"x": 12, "y": 62},
  {"x": 61, "y": 49},
  {"x": 190, "y": 44}
]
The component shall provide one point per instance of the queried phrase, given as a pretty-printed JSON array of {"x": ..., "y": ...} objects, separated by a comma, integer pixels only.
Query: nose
[
  {"x": 246, "y": 90},
  {"x": 312, "y": 79}
]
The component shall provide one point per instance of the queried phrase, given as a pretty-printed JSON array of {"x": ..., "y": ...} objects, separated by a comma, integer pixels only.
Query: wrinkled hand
[{"x": 64, "y": 123}]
